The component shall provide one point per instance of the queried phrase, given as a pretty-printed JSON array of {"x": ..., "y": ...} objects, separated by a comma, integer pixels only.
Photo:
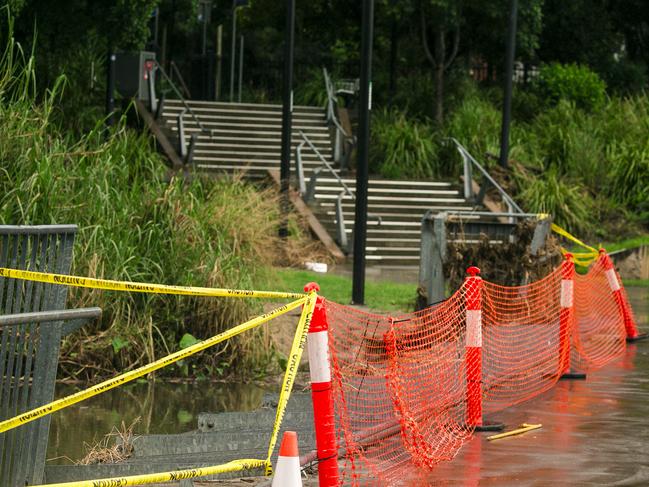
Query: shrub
[
  {"x": 568, "y": 203},
  {"x": 571, "y": 82},
  {"x": 402, "y": 148},
  {"x": 476, "y": 125}
]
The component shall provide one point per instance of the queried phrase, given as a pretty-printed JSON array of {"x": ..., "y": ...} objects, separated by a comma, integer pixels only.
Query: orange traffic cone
[{"x": 287, "y": 470}]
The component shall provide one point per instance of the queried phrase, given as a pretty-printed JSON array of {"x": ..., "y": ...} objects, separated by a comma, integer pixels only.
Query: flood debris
[
  {"x": 504, "y": 263},
  {"x": 115, "y": 447}
]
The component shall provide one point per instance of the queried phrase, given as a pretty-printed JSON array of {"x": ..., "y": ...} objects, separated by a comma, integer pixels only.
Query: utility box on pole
[{"x": 132, "y": 71}]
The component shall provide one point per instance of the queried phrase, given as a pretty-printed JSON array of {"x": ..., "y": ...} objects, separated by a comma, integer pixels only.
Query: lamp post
[
  {"x": 360, "y": 220},
  {"x": 287, "y": 116},
  {"x": 235, "y": 5},
  {"x": 509, "y": 72}
]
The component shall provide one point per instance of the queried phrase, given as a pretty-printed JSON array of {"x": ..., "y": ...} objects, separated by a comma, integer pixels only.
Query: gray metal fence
[{"x": 32, "y": 322}]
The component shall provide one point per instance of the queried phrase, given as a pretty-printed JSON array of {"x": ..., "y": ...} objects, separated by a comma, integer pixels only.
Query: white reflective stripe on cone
[
  {"x": 287, "y": 472},
  {"x": 318, "y": 349}
]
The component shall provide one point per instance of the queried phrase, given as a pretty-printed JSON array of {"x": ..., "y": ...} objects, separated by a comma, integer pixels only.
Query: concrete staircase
[
  {"x": 247, "y": 137},
  {"x": 400, "y": 206}
]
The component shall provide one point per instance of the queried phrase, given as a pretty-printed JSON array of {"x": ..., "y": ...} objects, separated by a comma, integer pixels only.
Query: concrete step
[
  {"x": 246, "y": 126},
  {"x": 393, "y": 191},
  {"x": 377, "y": 182},
  {"x": 174, "y": 103},
  {"x": 270, "y": 161},
  {"x": 207, "y": 147},
  {"x": 246, "y": 134},
  {"x": 244, "y": 118},
  {"x": 248, "y": 109},
  {"x": 414, "y": 199}
]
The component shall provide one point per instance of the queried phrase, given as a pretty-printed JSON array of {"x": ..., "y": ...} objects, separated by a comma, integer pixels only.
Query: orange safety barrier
[{"x": 410, "y": 390}]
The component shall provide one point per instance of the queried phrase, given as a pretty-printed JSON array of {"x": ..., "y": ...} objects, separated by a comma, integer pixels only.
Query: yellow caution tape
[
  {"x": 141, "y": 287},
  {"x": 291, "y": 371},
  {"x": 580, "y": 258},
  {"x": 524, "y": 428},
  {"x": 134, "y": 374},
  {"x": 233, "y": 466},
  {"x": 564, "y": 233}
]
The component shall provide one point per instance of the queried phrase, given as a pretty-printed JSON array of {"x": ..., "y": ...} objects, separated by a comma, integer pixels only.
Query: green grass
[
  {"x": 629, "y": 243},
  {"x": 379, "y": 295},
  {"x": 636, "y": 283}
]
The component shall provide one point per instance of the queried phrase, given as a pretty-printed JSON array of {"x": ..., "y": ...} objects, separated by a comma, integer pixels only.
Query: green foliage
[
  {"x": 568, "y": 203},
  {"x": 625, "y": 77},
  {"x": 402, "y": 148},
  {"x": 571, "y": 82},
  {"x": 188, "y": 340},
  {"x": 134, "y": 225},
  {"x": 476, "y": 125}
]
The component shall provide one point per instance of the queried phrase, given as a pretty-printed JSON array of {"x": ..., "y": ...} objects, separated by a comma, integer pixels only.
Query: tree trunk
[
  {"x": 440, "y": 54},
  {"x": 439, "y": 94},
  {"x": 393, "y": 61}
]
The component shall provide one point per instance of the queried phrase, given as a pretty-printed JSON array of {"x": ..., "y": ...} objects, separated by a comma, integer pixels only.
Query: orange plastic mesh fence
[
  {"x": 599, "y": 329},
  {"x": 403, "y": 385}
]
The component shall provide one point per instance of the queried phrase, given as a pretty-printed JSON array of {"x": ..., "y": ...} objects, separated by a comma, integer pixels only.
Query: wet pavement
[{"x": 595, "y": 432}]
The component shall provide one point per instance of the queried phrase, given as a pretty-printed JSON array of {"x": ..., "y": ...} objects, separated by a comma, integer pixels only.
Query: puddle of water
[{"x": 161, "y": 407}]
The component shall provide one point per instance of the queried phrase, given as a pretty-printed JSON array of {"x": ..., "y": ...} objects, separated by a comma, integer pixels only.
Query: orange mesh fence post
[
  {"x": 473, "y": 297},
  {"x": 620, "y": 297},
  {"x": 566, "y": 316},
  {"x": 322, "y": 393}
]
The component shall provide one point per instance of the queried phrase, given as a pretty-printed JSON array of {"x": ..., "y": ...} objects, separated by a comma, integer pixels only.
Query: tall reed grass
[{"x": 135, "y": 225}]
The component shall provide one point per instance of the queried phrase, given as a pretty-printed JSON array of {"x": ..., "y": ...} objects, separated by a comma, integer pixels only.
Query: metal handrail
[
  {"x": 181, "y": 97},
  {"x": 174, "y": 69},
  {"x": 308, "y": 191},
  {"x": 340, "y": 133},
  {"x": 470, "y": 161}
]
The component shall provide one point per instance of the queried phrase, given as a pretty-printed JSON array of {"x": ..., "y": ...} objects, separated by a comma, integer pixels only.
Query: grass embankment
[
  {"x": 379, "y": 295},
  {"x": 137, "y": 226}
]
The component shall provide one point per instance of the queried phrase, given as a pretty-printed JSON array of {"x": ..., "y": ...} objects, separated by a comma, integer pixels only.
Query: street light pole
[
  {"x": 509, "y": 74},
  {"x": 234, "y": 45},
  {"x": 360, "y": 220},
  {"x": 287, "y": 117}
]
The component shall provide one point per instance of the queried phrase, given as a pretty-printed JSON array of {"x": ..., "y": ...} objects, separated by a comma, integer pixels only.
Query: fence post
[
  {"x": 567, "y": 318},
  {"x": 622, "y": 304},
  {"x": 473, "y": 297},
  {"x": 322, "y": 393},
  {"x": 473, "y": 345}
]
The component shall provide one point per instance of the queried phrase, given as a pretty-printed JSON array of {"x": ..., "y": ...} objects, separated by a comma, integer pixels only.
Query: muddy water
[
  {"x": 161, "y": 407},
  {"x": 594, "y": 430}
]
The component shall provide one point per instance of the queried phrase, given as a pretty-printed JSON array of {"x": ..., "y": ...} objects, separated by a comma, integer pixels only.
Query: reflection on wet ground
[{"x": 595, "y": 432}]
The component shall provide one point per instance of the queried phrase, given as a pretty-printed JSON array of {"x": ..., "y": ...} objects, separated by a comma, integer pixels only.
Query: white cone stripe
[
  {"x": 612, "y": 280},
  {"x": 318, "y": 343},
  {"x": 287, "y": 472},
  {"x": 473, "y": 328},
  {"x": 566, "y": 293}
]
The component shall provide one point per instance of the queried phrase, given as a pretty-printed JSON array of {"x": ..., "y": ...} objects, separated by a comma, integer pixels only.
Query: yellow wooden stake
[{"x": 524, "y": 428}]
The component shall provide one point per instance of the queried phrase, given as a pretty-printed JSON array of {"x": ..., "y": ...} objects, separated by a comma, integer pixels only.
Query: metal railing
[
  {"x": 185, "y": 149},
  {"x": 307, "y": 190},
  {"x": 469, "y": 163},
  {"x": 343, "y": 142}
]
